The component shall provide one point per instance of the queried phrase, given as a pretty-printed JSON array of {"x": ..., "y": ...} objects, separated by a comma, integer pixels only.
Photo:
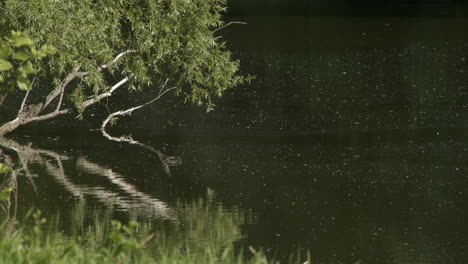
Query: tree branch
[
  {"x": 130, "y": 110},
  {"x": 58, "y": 90},
  {"x": 227, "y": 25},
  {"x": 116, "y": 59},
  {"x": 2, "y": 98},
  {"x": 48, "y": 116},
  {"x": 96, "y": 99},
  {"x": 24, "y": 102},
  {"x": 28, "y": 114},
  {"x": 166, "y": 161}
]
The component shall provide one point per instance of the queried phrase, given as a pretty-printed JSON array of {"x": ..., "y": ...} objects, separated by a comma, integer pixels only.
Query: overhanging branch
[
  {"x": 116, "y": 59},
  {"x": 59, "y": 89},
  {"x": 227, "y": 25},
  {"x": 98, "y": 98},
  {"x": 130, "y": 110}
]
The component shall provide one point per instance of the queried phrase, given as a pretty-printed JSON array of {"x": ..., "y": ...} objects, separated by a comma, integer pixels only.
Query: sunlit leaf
[
  {"x": 5, "y": 65},
  {"x": 5, "y": 52},
  {"x": 22, "y": 41},
  {"x": 5, "y": 193},
  {"x": 27, "y": 69},
  {"x": 21, "y": 56},
  {"x": 37, "y": 53},
  {"x": 23, "y": 84},
  {"x": 48, "y": 49},
  {"x": 4, "y": 168}
]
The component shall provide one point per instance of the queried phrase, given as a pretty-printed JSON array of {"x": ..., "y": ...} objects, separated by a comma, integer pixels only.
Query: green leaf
[
  {"x": 5, "y": 65},
  {"x": 5, "y": 52},
  {"x": 5, "y": 193},
  {"x": 4, "y": 169},
  {"x": 23, "y": 84},
  {"x": 21, "y": 56},
  {"x": 1, "y": 79},
  {"x": 27, "y": 69},
  {"x": 48, "y": 49},
  {"x": 37, "y": 53},
  {"x": 22, "y": 41}
]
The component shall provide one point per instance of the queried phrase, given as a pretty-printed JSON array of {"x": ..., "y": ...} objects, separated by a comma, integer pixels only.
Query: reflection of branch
[
  {"x": 167, "y": 161},
  {"x": 118, "y": 180},
  {"x": 139, "y": 200}
]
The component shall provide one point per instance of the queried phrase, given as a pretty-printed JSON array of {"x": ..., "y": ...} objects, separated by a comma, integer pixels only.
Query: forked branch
[{"x": 33, "y": 113}]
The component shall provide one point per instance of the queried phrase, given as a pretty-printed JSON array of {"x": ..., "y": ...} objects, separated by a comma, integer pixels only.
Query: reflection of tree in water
[
  {"x": 127, "y": 198},
  {"x": 204, "y": 230},
  {"x": 197, "y": 230}
]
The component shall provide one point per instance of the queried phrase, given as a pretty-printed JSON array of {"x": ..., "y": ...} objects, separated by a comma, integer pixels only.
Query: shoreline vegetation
[{"x": 204, "y": 232}]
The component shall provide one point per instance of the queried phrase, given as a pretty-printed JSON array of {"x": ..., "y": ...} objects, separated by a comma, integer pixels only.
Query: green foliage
[
  {"x": 170, "y": 38},
  {"x": 5, "y": 194},
  {"x": 204, "y": 235},
  {"x": 18, "y": 54},
  {"x": 4, "y": 169}
]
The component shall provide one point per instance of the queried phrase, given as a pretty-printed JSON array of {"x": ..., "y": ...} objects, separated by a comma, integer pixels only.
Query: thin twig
[
  {"x": 117, "y": 58},
  {"x": 164, "y": 85},
  {"x": 167, "y": 161},
  {"x": 59, "y": 89},
  {"x": 2, "y": 98},
  {"x": 130, "y": 110},
  {"x": 60, "y": 100},
  {"x": 228, "y": 24},
  {"x": 24, "y": 102},
  {"x": 96, "y": 99}
]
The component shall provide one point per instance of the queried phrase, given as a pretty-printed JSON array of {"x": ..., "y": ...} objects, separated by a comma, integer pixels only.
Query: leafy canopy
[
  {"x": 16, "y": 61},
  {"x": 167, "y": 39}
]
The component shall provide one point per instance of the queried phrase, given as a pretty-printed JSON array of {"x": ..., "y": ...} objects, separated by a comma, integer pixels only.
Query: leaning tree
[{"x": 76, "y": 53}]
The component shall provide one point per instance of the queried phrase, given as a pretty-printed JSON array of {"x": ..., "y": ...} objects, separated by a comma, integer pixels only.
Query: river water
[{"x": 350, "y": 143}]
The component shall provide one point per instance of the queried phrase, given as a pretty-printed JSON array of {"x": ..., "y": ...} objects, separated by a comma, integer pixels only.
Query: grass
[{"x": 205, "y": 234}]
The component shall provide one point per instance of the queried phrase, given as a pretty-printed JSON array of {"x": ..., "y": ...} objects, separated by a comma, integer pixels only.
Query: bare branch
[
  {"x": 32, "y": 115},
  {"x": 24, "y": 102},
  {"x": 228, "y": 24},
  {"x": 2, "y": 98},
  {"x": 59, "y": 89},
  {"x": 48, "y": 116},
  {"x": 117, "y": 58},
  {"x": 96, "y": 99},
  {"x": 59, "y": 105},
  {"x": 166, "y": 161},
  {"x": 28, "y": 114},
  {"x": 163, "y": 86},
  {"x": 130, "y": 110}
]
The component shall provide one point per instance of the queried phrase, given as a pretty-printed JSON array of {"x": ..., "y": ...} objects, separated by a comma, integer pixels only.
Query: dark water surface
[{"x": 351, "y": 143}]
